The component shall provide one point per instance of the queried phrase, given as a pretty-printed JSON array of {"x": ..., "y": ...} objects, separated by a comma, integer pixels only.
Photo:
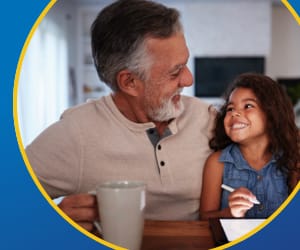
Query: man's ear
[{"x": 127, "y": 82}]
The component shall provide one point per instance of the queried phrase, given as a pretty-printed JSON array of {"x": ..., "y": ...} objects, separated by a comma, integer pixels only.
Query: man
[{"x": 144, "y": 131}]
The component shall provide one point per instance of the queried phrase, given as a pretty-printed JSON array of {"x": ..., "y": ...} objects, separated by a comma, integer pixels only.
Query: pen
[{"x": 230, "y": 189}]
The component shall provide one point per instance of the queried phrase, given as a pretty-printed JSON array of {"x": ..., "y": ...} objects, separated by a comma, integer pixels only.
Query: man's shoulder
[
  {"x": 89, "y": 108},
  {"x": 192, "y": 100},
  {"x": 195, "y": 104}
]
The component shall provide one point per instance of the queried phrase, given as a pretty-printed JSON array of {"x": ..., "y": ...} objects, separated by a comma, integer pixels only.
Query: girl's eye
[
  {"x": 229, "y": 109},
  {"x": 248, "y": 105}
]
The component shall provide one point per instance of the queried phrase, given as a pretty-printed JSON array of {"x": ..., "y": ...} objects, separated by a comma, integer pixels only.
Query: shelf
[{"x": 89, "y": 85}]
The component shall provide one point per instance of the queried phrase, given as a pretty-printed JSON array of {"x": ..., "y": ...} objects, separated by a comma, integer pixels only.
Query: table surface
[{"x": 181, "y": 235}]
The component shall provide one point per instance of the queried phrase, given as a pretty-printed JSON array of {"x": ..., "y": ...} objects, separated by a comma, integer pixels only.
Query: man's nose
[{"x": 186, "y": 78}]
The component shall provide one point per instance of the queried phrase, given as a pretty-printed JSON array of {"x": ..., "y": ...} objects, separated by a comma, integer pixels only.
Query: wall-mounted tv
[{"x": 214, "y": 74}]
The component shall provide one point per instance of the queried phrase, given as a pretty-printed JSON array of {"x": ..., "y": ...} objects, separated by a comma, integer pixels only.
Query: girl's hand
[{"x": 239, "y": 201}]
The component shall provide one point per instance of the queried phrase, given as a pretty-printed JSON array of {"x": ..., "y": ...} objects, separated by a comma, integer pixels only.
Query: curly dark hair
[{"x": 284, "y": 136}]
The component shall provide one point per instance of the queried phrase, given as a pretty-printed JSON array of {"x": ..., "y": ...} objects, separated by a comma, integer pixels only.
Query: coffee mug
[{"x": 121, "y": 207}]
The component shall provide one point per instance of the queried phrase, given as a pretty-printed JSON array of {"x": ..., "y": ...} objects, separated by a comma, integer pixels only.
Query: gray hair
[{"x": 119, "y": 35}]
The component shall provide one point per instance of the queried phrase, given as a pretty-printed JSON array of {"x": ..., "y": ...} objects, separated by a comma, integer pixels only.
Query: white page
[{"x": 235, "y": 228}]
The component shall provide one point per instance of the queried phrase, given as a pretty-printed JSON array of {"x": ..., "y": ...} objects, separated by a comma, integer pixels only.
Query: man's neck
[
  {"x": 161, "y": 126},
  {"x": 133, "y": 111}
]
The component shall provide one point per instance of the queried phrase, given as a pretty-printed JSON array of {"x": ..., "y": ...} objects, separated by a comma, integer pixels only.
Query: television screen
[{"x": 214, "y": 74}]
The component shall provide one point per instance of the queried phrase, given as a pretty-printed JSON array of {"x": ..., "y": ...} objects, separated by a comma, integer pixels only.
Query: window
[{"x": 43, "y": 82}]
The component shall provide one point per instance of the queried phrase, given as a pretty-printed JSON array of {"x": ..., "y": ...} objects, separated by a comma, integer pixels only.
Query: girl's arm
[{"x": 210, "y": 199}]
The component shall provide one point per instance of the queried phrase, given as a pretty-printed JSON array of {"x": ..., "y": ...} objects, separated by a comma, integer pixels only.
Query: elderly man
[{"x": 145, "y": 130}]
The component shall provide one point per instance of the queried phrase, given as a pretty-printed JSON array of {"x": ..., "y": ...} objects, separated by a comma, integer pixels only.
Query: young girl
[{"x": 256, "y": 144}]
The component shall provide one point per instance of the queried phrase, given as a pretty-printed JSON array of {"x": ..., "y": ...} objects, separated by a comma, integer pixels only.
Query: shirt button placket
[
  {"x": 161, "y": 163},
  {"x": 260, "y": 195}
]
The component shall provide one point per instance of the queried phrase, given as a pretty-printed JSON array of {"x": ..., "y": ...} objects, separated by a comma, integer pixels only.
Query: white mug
[{"x": 121, "y": 207}]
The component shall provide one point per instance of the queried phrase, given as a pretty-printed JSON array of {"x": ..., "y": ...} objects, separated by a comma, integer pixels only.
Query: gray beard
[{"x": 167, "y": 111}]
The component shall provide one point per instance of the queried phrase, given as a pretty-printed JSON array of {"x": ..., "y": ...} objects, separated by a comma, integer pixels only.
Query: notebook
[{"x": 226, "y": 230}]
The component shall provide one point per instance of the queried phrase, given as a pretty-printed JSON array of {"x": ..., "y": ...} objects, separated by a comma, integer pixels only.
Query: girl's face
[{"x": 244, "y": 121}]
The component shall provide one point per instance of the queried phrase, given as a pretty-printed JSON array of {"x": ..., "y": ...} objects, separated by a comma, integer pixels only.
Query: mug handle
[{"x": 98, "y": 226}]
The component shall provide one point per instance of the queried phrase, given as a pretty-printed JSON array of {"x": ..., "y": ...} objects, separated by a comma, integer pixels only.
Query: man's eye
[
  {"x": 175, "y": 75},
  {"x": 177, "y": 72}
]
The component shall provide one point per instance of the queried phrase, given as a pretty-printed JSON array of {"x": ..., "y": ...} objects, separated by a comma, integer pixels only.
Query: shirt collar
[{"x": 232, "y": 154}]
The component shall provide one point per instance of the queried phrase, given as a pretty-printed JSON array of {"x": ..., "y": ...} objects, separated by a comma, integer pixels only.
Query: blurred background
[{"x": 225, "y": 38}]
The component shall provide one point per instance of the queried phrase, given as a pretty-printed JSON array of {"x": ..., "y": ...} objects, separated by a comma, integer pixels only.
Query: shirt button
[
  {"x": 261, "y": 207},
  {"x": 259, "y": 177},
  {"x": 159, "y": 147},
  {"x": 162, "y": 163},
  {"x": 151, "y": 131}
]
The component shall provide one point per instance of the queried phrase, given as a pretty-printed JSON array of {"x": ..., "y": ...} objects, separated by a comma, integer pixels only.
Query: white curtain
[{"x": 43, "y": 82}]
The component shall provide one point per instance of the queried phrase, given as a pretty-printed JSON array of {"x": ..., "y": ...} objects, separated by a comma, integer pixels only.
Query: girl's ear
[{"x": 127, "y": 82}]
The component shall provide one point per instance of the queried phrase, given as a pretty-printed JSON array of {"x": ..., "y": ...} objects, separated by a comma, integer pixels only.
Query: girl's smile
[{"x": 238, "y": 125}]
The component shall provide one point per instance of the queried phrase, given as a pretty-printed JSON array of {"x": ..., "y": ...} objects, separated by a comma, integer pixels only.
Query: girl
[{"x": 256, "y": 144}]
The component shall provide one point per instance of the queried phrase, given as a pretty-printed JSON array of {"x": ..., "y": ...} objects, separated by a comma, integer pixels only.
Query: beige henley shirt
[{"x": 94, "y": 142}]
